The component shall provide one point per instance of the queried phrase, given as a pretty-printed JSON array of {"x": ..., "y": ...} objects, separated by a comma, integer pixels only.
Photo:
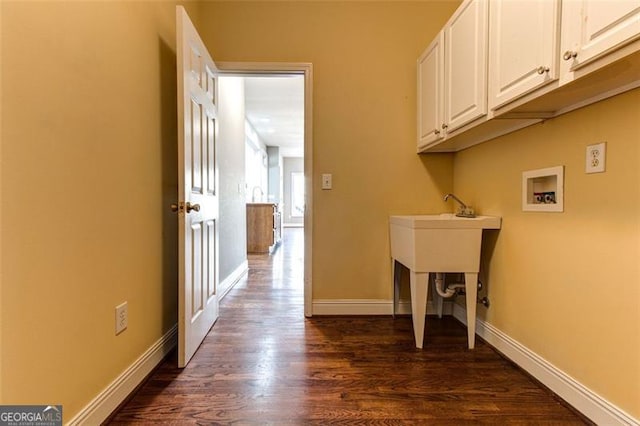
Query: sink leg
[
  {"x": 419, "y": 284},
  {"x": 395, "y": 279},
  {"x": 438, "y": 300},
  {"x": 471, "y": 289}
]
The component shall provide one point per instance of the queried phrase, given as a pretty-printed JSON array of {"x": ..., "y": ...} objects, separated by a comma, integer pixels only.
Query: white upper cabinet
[
  {"x": 465, "y": 43},
  {"x": 501, "y": 65},
  {"x": 594, "y": 28},
  {"x": 523, "y": 47},
  {"x": 430, "y": 93},
  {"x": 452, "y": 75}
]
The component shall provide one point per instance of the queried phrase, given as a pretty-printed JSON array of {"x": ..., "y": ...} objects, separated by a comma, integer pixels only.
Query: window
[{"x": 297, "y": 194}]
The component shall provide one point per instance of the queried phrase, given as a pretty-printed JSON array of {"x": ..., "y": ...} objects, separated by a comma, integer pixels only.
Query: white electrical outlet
[
  {"x": 326, "y": 181},
  {"x": 122, "y": 317},
  {"x": 595, "y": 159}
]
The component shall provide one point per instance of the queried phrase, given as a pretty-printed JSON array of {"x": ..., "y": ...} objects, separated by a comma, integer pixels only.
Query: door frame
[{"x": 305, "y": 69}]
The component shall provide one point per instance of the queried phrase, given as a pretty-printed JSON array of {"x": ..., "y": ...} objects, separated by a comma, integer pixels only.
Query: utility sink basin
[{"x": 438, "y": 244}]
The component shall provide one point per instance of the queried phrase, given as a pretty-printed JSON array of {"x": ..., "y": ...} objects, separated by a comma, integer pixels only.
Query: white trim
[
  {"x": 368, "y": 307},
  {"x": 232, "y": 279},
  {"x": 404, "y": 307},
  {"x": 293, "y": 225},
  {"x": 305, "y": 68},
  {"x": 106, "y": 402},
  {"x": 573, "y": 392}
]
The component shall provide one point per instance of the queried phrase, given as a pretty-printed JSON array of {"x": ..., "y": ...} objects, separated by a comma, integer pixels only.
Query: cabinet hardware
[
  {"x": 569, "y": 54},
  {"x": 542, "y": 70}
]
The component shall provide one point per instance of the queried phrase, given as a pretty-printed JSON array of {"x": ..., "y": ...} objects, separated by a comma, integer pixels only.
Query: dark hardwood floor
[{"x": 264, "y": 363}]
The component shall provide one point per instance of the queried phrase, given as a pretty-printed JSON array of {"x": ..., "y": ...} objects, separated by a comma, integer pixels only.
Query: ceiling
[{"x": 274, "y": 106}]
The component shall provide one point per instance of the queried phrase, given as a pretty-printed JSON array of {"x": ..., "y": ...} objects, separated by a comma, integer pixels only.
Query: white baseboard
[
  {"x": 404, "y": 308},
  {"x": 583, "y": 399},
  {"x": 232, "y": 279},
  {"x": 369, "y": 307},
  {"x": 101, "y": 407},
  {"x": 293, "y": 225}
]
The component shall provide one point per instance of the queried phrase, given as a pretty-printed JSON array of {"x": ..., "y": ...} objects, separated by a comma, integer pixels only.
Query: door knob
[{"x": 190, "y": 207}]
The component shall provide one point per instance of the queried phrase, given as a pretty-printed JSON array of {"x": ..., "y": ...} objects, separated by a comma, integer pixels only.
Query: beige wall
[
  {"x": 88, "y": 172},
  {"x": 231, "y": 145},
  {"x": 364, "y": 108},
  {"x": 566, "y": 285}
]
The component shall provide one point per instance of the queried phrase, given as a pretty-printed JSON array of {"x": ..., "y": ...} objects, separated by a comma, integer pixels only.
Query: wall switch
[
  {"x": 122, "y": 317},
  {"x": 596, "y": 158},
  {"x": 326, "y": 181}
]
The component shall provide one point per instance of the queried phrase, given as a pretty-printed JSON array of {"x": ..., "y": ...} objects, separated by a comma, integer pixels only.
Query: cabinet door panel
[
  {"x": 466, "y": 38},
  {"x": 523, "y": 48},
  {"x": 606, "y": 25},
  {"x": 430, "y": 96}
]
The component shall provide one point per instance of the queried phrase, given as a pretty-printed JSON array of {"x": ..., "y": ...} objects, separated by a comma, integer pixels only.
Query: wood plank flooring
[{"x": 264, "y": 363}]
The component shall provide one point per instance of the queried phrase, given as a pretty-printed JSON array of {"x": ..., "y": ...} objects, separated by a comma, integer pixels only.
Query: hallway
[{"x": 264, "y": 363}]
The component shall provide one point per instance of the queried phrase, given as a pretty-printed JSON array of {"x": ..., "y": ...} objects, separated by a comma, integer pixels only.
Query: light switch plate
[
  {"x": 595, "y": 158},
  {"x": 326, "y": 181}
]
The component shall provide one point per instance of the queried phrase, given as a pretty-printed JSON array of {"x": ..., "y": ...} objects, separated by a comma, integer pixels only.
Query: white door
[
  {"x": 197, "y": 189},
  {"x": 523, "y": 48},
  {"x": 430, "y": 96},
  {"x": 465, "y": 39}
]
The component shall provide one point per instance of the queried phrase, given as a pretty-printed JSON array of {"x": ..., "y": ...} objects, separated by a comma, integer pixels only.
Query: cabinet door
[
  {"x": 523, "y": 47},
  {"x": 430, "y": 96},
  {"x": 465, "y": 39},
  {"x": 603, "y": 26}
]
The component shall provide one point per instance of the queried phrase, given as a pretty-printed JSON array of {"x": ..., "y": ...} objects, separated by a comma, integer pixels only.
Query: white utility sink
[
  {"x": 438, "y": 243},
  {"x": 446, "y": 220}
]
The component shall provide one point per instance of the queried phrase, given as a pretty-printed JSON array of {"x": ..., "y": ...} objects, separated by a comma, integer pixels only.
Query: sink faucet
[{"x": 463, "y": 210}]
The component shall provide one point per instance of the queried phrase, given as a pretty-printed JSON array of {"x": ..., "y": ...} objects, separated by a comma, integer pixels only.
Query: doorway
[{"x": 293, "y": 189}]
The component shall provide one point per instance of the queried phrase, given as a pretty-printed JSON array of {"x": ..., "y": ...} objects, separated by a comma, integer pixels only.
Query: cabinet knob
[
  {"x": 436, "y": 131},
  {"x": 569, "y": 54},
  {"x": 444, "y": 126},
  {"x": 542, "y": 70}
]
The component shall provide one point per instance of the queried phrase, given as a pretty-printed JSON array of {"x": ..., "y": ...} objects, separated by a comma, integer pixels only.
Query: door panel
[
  {"x": 195, "y": 153},
  {"x": 197, "y": 191},
  {"x": 211, "y": 290},
  {"x": 210, "y": 144},
  {"x": 523, "y": 48},
  {"x": 430, "y": 97},
  {"x": 196, "y": 268},
  {"x": 465, "y": 40},
  {"x": 606, "y": 25}
]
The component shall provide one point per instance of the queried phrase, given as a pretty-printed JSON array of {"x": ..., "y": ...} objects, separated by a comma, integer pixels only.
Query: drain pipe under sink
[{"x": 446, "y": 291}]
